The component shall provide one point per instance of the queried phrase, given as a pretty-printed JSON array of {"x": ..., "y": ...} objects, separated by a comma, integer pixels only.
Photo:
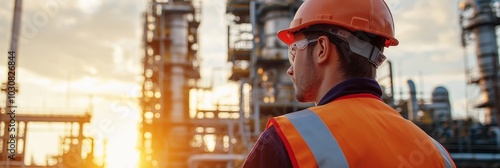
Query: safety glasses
[{"x": 299, "y": 45}]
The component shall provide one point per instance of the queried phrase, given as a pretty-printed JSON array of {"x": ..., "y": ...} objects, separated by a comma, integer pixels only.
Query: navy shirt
[{"x": 269, "y": 150}]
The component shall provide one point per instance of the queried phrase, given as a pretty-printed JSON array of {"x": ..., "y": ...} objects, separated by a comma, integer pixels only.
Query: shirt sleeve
[{"x": 268, "y": 152}]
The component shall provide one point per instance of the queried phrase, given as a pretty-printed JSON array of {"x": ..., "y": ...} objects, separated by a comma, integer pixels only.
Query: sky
[{"x": 86, "y": 54}]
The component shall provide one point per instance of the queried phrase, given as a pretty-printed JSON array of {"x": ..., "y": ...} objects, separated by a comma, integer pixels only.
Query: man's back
[{"x": 359, "y": 130}]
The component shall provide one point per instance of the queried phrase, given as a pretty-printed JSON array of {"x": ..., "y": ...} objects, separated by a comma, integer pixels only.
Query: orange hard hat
[{"x": 371, "y": 16}]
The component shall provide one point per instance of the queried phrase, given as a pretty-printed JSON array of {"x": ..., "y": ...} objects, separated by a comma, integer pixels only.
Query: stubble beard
[{"x": 307, "y": 84}]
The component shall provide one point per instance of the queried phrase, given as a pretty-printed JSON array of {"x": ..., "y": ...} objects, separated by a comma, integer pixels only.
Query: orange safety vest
[{"x": 357, "y": 131}]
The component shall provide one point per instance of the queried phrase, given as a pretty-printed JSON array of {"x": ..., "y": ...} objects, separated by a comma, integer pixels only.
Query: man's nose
[{"x": 290, "y": 71}]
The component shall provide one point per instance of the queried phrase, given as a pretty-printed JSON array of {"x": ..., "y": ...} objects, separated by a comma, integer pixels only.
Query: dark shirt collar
[{"x": 352, "y": 86}]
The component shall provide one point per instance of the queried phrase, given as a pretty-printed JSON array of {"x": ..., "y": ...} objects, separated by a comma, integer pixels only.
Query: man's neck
[{"x": 325, "y": 86}]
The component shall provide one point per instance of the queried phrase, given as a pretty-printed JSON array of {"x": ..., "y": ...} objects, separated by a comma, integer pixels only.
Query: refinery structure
[{"x": 173, "y": 134}]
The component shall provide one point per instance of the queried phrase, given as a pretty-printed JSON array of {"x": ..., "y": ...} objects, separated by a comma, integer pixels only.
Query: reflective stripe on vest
[
  {"x": 444, "y": 153},
  {"x": 321, "y": 142}
]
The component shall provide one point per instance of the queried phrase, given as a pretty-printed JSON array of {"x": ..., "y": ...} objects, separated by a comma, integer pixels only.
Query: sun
[
  {"x": 121, "y": 151},
  {"x": 121, "y": 145}
]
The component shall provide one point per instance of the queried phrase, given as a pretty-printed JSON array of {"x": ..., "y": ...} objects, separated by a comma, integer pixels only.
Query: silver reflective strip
[
  {"x": 447, "y": 159},
  {"x": 318, "y": 137}
]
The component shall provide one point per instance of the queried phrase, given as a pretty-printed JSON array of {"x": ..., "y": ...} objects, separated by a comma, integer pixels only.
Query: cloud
[
  {"x": 73, "y": 40},
  {"x": 89, "y": 6}
]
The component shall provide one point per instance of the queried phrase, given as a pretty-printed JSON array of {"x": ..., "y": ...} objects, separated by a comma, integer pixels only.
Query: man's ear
[{"x": 324, "y": 49}]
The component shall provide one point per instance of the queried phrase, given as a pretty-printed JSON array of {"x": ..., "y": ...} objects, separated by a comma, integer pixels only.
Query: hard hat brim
[{"x": 287, "y": 35}]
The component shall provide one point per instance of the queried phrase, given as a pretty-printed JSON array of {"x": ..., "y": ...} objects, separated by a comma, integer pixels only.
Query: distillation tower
[
  {"x": 170, "y": 135},
  {"x": 260, "y": 60},
  {"x": 170, "y": 67},
  {"x": 479, "y": 19}
]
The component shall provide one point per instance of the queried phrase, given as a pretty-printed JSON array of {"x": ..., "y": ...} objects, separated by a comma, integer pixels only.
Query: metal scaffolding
[{"x": 170, "y": 71}]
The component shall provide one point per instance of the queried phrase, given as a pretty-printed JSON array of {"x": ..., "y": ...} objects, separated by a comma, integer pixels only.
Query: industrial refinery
[{"x": 175, "y": 127}]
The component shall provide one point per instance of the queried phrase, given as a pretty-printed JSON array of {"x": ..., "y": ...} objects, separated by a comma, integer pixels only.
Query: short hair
[{"x": 351, "y": 64}]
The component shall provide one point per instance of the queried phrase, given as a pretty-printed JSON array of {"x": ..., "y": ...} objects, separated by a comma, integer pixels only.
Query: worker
[{"x": 335, "y": 47}]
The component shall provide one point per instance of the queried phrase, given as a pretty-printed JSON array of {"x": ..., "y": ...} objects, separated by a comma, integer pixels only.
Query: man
[{"x": 335, "y": 47}]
